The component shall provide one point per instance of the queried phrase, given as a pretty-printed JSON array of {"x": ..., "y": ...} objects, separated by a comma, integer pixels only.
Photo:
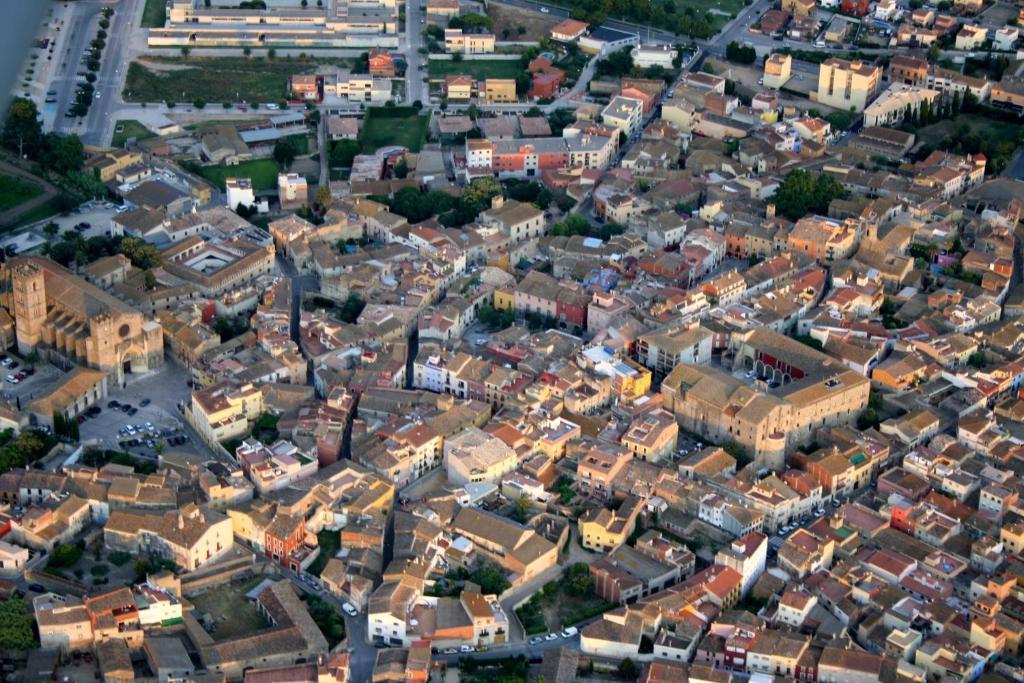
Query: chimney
[
  {"x": 769, "y": 211},
  {"x": 181, "y": 521},
  {"x": 497, "y": 202}
]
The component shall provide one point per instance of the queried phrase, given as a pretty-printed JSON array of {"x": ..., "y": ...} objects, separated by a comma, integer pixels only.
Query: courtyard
[{"x": 229, "y": 612}]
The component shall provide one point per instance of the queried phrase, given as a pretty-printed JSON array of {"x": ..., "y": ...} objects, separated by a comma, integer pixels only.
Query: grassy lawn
[
  {"x": 14, "y": 191},
  {"x": 479, "y": 69},
  {"x": 393, "y": 126},
  {"x": 155, "y": 14},
  {"x": 214, "y": 79},
  {"x": 130, "y": 129},
  {"x": 263, "y": 173},
  {"x": 329, "y": 542},
  {"x": 234, "y": 614}
]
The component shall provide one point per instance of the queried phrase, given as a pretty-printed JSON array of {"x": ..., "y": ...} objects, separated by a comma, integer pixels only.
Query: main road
[{"x": 94, "y": 128}]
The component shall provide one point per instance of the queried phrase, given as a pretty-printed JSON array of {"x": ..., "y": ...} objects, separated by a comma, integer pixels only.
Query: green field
[
  {"x": 155, "y": 13},
  {"x": 393, "y": 126},
  {"x": 263, "y": 173},
  {"x": 723, "y": 9},
  {"x": 214, "y": 79},
  {"x": 15, "y": 191},
  {"x": 991, "y": 129},
  {"x": 479, "y": 69},
  {"x": 130, "y": 128}
]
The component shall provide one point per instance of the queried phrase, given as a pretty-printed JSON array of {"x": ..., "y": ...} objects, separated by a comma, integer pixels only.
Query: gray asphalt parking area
[{"x": 161, "y": 390}]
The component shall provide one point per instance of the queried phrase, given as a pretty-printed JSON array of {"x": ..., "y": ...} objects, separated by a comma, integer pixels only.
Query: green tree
[
  {"x": 22, "y": 131},
  {"x": 481, "y": 190},
  {"x": 803, "y": 193},
  {"x": 578, "y": 579},
  {"x": 65, "y": 556},
  {"x": 324, "y": 199},
  {"x": 343, "y": 152},
  {"x": 627, "y": 670},
  {"x": 16, "y": 626},
  {"x": 616, "y": 64},
  {"x": 284, "y": 153},
  {"x": 401, "y": 169},
  {"x": 62, "y": 154},
  {"x": 573, "y": 224},
  {"x": 142, "y": 254},
  {"x": 50, "y": 229},
  {"x": 743, "y": 54},
  {"x": 150, "y": 280},
  {"x": 490, "y": 579},
  {"x": 352, "y": 308}
]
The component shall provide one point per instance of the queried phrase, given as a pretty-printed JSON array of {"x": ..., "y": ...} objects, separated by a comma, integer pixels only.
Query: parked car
[
  {"x": 467, "y": 648},
  {"x": 38, "y": 588},
  {"x": 144, "y": 402},
  {"x": 536, "y": 639},
  {"x": 348, "y": 609},
  {"x": 551, "y": 636},
  {"x": 113, "y": 404},
  {"x": 12, "y": 379},
  {"x": 570, "y": 632}
]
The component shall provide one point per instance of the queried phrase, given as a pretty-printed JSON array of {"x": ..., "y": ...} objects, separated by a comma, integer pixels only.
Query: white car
[
  {"x": 348, "y": 609},
  {"x": 544, "y": 10},
  {"x": 551, "y": 636},
  {"x": 570, "y": 632},
  {"x": 12, "y": 379},
  {"x": 467, "y": 648}
]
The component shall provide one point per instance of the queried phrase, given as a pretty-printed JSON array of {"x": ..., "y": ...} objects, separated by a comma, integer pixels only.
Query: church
[{"x": 69, "y": 321}]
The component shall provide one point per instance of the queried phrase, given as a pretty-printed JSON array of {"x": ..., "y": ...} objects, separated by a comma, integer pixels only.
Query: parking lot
[
  {"x": 38, "y": 378},
  {"x": 96, "y": 215},
  {"x": 153, "y": 416}
]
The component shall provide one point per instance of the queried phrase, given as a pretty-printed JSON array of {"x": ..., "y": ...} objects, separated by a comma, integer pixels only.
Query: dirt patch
[
  {"x": 162, "y": 67},
  {"x": 507, "y": 21}
]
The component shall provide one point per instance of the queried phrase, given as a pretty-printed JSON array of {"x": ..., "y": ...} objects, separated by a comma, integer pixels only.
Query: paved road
[
  {"x": 1015, "y": 169},
  {"x": 412, "y": 41},
  {"x": 79, "y": 28},
  {"x": 324, "y": 146},
  {"x": 95, "y": 127}
]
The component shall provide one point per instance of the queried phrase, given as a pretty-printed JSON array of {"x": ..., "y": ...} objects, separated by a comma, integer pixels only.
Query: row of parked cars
[
  {"x": 566, "y": 633},
  {"x": 11, "y": 364}
]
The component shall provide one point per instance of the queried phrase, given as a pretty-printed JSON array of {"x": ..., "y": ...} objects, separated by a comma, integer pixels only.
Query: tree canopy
[
  {"x": 284, "y": 153},
  {"x": 22, "y": 130},
  {"x": 16, "y": 623},
  {"x": 803, "y": 193}
]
